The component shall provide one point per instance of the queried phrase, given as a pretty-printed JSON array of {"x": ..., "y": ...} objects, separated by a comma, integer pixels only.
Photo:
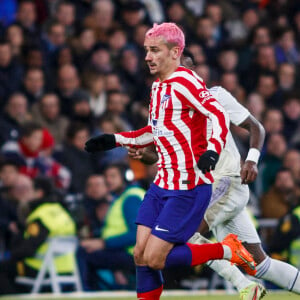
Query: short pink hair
[{"x": 170, "y": 32}]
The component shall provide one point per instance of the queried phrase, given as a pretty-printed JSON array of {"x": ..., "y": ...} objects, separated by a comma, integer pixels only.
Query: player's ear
[{"x": 175, "y": 52}]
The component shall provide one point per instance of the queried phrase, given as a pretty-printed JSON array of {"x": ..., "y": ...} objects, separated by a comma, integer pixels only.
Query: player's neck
[{"x": 163, "y": 75}]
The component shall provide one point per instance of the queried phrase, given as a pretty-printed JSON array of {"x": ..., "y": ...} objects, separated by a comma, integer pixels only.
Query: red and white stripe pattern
[{"x": 178, "y": 114}]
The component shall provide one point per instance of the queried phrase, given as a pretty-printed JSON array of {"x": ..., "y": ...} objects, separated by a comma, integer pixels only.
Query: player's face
[{"x": 158, "y": 55}]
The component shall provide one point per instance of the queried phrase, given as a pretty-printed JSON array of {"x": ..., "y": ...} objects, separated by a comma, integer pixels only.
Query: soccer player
[
  {"x": 175, "y": 203},
  {"x": 226, "y": 212}
]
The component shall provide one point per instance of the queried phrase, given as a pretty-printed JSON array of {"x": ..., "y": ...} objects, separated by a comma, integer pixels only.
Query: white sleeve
[{"x": 237, "y": 112}]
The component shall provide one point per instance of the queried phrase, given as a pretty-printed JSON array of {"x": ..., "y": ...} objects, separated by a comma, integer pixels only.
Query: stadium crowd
[{"x": 70, "y": 70}]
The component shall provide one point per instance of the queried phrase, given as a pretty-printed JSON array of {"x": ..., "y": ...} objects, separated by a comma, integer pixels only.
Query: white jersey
[{"x": 229, "y": 163}]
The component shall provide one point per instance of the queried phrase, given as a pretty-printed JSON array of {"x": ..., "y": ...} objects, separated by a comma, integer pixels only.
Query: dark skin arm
[{"x": 257, "y": 136}]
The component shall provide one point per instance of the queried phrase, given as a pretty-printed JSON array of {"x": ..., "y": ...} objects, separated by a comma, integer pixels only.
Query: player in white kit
[{"x": 227, "y": 209}]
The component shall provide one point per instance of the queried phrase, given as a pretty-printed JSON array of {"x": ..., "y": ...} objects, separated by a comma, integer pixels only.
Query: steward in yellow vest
[
  {"x": 46, "y": 219},
  {"x": 286, "y": 240},
  {"x": 113, "y": 251}
]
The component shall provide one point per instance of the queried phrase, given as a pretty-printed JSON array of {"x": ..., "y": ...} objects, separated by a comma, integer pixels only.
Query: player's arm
[
  {"x": 240, "y": 116},
  {"x": 138, "y": 138},
  {"x": 195, "y": 95},
  {"x": 249, "y": 169},
  {"x": 147, "y": 155}
]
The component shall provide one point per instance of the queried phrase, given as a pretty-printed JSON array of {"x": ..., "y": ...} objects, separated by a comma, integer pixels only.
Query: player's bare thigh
[{"x": 142, "y": 236}]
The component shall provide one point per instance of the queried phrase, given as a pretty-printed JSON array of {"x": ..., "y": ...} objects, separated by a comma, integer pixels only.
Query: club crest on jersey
[
  {"x": 164, "y": 101},
  {"x": 154, "y": 122}
]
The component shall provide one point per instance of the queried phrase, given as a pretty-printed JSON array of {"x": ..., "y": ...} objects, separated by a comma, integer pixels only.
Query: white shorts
[{"x": 227, "y": 212}]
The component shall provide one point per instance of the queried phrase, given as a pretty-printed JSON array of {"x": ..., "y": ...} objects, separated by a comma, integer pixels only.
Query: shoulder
[{"x": 184, "y": 77}]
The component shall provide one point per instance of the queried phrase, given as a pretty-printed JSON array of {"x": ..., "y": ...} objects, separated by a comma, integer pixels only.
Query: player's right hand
[
  {"x": 102, "y": 142},
  {"x": 249, "y": 172}
]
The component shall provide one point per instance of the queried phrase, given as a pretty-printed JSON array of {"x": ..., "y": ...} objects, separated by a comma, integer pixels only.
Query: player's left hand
[
  {"x": 208, "y": 161},
  {"x": 135, "y": 153},
  {"x": 249, "y": 172},
  {"x": 91, "y": 245}
]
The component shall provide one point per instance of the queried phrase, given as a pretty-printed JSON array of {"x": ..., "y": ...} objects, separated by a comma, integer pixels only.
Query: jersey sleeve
[
  {"x": 237, "y": 112},
  {"x": 195, "y": 95},
  {"x": 138, "y": 138}
]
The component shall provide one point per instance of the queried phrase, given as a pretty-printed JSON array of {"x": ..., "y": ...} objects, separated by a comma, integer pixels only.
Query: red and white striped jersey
[{"x": 179, "y": 108}]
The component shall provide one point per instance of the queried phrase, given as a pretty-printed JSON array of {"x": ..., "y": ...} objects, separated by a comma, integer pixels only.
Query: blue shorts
[{"x": 174, "y": 216}]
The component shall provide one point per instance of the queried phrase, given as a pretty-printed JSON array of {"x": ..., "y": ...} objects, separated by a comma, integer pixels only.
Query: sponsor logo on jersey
[{"x": 204, "y": 96}]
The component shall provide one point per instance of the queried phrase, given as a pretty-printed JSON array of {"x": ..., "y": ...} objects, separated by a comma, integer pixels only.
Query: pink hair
[{"x": 170, "y": 32}]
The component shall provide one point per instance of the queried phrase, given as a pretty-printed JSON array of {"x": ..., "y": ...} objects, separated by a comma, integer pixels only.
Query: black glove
[
  {"x": 208, "y": 161},
  {"x": 102, "y": 142}
]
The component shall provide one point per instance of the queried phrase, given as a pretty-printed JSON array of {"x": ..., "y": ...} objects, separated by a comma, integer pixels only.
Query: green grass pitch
[{"x": 270, "y": 296}]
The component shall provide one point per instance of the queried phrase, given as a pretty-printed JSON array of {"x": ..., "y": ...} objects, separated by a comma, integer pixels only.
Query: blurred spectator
[
  {"x": 101, "y": 20},
  {"x": 286, "y": 76},
  {"x": 286, "y": 50},
  {"x": 138, "y": 39},
  {"x": 110, "y": 123},
  {"x": 96, "y": 203},
  {"x": 15, "y": 36},
  {"x": 83, "y": 45},
  {"x": 273, "y": 121},
  {"x": 214, "y": 10},
  {"x": 54, "y": 39},
  {"x": 256, "y": 105},
  {"x": 68, "y": 82},
  {"x": 45, "y": 218},
  {"x": 33, "y": 57},
  {"x": 177, "y": 13},
  {"x": 272, "y": 161},
  {"x": 30, "y": 152},
  {"x": 117, "y": 41},
  {"x": 27, "y": 17},
  {"x": 100, "y": 59},
  {"x": 94, "y": 82},
  {"x": 264, "y": 61},
  {"x": 204, "y": 72},
  {"x": 73, "y": 156},
  {"x": 227, "y": 60},
  {"x": 131, "y": 74},
  {"x": 116, "y": 106},
  {"x": 229, "y": 81},
  {"x": 33, "y": 85},
  {"x": 9, "y": 172},
  {"x": 291, "y": 161},
  {"x": 65, "y": 14},
  {"x": 291, "y": 113},
  {"x": 46, "y": 113},
  {"x": 281, "y": 196},
  {"x": 197, "y": 52},
  {"x": 25, "y": 151},
  {"x": 133, "y": 13},
  {"x": 8, "y": 212},
  {"x": 267, "y": 86},
  {"x": 113, "y": 249},
  {"x": 204, "y": 35},
  {"x": 113, "y": 82},
  {"x": 14, "y": 115},
  {"x": 81, "y": 110},
  {"x": 9, "y": 69}
]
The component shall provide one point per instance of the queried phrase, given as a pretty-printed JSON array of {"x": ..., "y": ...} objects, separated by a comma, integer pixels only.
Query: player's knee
[{"x": 154, "y": 261}]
